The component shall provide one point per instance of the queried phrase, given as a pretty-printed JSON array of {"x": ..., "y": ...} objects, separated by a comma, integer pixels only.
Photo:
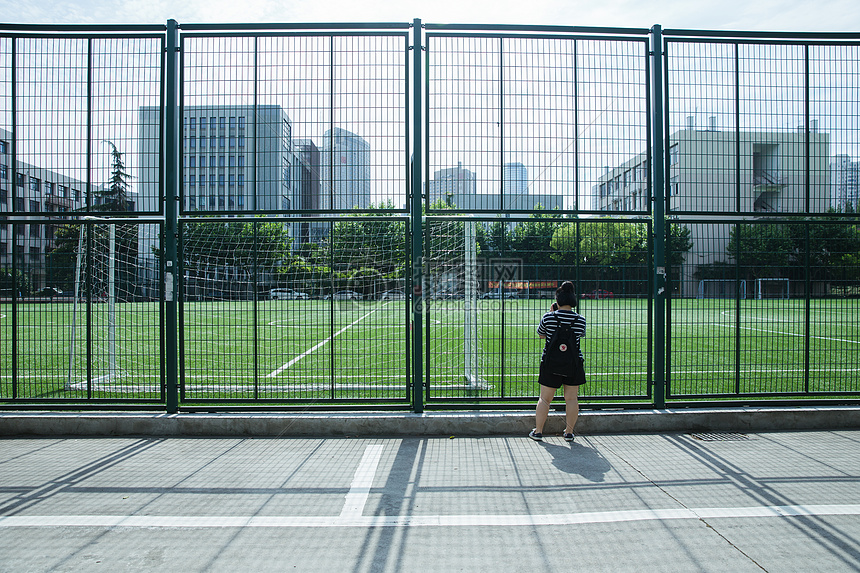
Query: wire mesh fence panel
[
  {"x": 294, "y": 123},
  {"x": 834, "y": 290},
  {"x": 265, "y": 322},
  {"x": 522, "y": 124},
  {"x": 490, "y": 282},
  {"x": 834, "y": 110},
  {"x": 92, "y": 334}
]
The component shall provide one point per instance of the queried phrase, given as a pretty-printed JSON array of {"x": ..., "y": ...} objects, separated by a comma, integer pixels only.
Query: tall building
[
  {"x": 450, "y": 183},
  {"x": 457, "y": 186},
  {"x": 41, "y": 193},
  {"x": 234, "y": 158},
  {"x": 846, "y": 191},
  {"x": 345, "y": 180},
  {"x": 707, "y": 183},
  {"x": 307, "y": 181}
]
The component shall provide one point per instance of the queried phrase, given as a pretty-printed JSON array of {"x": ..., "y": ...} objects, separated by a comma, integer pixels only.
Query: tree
[
  {"x": 115, "y": 193},
  {"x": 762, "y": 250}
]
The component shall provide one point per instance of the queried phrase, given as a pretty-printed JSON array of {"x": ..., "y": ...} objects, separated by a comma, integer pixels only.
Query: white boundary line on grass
[
  {"x": 849, "y": 341},
  {"x": 316, "y": 347},
  {"x": 473, "y": 520}
]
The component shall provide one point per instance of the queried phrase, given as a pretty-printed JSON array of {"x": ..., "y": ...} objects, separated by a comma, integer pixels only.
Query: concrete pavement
[{"x": 708, "y": 501}]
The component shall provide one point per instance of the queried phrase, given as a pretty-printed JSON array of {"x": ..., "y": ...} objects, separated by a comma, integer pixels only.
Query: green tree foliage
[{"x": 761, "y": 250}]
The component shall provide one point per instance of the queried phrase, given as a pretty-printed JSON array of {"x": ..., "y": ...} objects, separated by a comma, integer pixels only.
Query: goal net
[
  {"x": 722, "y": 288},
  {"x": 105, "y": 339},
  {"x": 451, "y": 282},
  {"x": 772, "y": 288}
]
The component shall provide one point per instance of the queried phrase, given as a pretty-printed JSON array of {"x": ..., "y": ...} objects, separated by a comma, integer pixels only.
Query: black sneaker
[
  {"x": 569, "y": 437},
  {"x": 536, "y": 436}
]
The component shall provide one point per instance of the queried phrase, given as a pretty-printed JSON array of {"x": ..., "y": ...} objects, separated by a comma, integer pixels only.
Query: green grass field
[{"x": 322, "y": 350}]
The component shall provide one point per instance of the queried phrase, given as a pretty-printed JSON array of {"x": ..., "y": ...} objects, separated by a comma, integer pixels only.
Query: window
[
  {"x": 212, "y": 182},
  {"x": 212, "y": 123},
  {"x": 192, "y": 123},
  {"x": 192, "y": 202},
  {"x": 35, "y": 253},
  {"x": 232, "y": 180},
  {"x": 241, "y": 141},
  {"x": 49, "y": 188},
  {"x": 192, "y": 162},
  {"x": 241, "y": 161},
  {"x": 35, "y": 230},
  {"x": 20, "y": 180},
  {"x": 232, "y": 123},
  {"x": 240, "y": 200},
  {"x": 673, "y": 155},
  {"x": 222, "y": 122},
  {"x": 241, "y": 180},
  {"x": 4, "y": 172},
  {"x": 49, "y": 232},
  {"x": 242, "y": 122},
  {"x": 212, "y": 201},
  {"x": 232, "y": 141},
  {"x": 4, "y": 147},
  {"x": 212, "y": 161},
  {"x": 221, "y": 141},
  {"x": 34, "y": 206},
  {"x": 192, "y": 142},
  {"x": 34, "y": 185},
  {"x": 221, "y": 161},
  {"x": 232, "y": 161},
  {"x": 192, "y": 181},
  {"x": 221, "y": 180},
  {"x": 213, "y": 142},
  {"x": 221, "y": 201}
]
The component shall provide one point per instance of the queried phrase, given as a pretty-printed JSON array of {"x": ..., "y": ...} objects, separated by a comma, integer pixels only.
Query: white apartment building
[
  {"x": 41, "y": 193},
  {"x": 713, "y": 176}
]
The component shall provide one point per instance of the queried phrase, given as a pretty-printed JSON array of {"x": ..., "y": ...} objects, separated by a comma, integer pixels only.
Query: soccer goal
[
  {"x": 722, "y": 288},
  {"x": 452, "y": 290},
  {"x": 772, "y": 288},
  {"x": 104, "y": 274}
]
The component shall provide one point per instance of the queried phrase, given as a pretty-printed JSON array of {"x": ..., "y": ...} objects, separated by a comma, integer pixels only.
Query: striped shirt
[{"x": 551, "y": 320}]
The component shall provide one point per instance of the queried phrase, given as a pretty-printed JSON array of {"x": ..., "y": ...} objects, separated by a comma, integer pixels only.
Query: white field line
[
  {"x": 316, "y": 347},
  {"x": 480, "y": 520},
  {"x": 849, "y": 341},
  {"x": 362, "y": 481}
]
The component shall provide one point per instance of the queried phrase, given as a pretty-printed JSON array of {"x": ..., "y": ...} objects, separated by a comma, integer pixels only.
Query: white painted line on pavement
[
  {"x": 359, "y": 489},
  {"x": 176, "y": 521}
]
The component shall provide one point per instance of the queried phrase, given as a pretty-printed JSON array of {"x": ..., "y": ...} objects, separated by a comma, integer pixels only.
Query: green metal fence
[{"x": 377, "y": 215}]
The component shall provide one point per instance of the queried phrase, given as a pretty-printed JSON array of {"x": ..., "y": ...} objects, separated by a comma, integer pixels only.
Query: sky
[{"x": 769, "y": 15}]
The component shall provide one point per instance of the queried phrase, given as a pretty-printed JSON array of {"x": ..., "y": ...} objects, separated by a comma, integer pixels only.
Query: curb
[{"x": 478, "y": 423}]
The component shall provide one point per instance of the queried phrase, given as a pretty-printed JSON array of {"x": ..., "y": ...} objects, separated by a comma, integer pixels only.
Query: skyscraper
[{"x": 345, "y": 180}]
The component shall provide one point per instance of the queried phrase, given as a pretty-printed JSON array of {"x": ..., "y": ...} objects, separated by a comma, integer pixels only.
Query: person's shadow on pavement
[{"x": 576, "y": 458}]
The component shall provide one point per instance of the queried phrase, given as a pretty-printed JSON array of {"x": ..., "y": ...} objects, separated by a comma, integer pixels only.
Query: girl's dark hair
[{"x": 565, "y": 295}]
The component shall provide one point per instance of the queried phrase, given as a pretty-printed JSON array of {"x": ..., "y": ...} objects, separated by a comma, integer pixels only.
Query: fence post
[
  {"x": 417, "y": 295},
  {"x": 658, "y": 191},
  {"x": 171, "y": 149}
]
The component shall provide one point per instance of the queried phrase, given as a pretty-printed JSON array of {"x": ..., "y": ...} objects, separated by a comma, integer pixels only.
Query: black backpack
[{"x": 562, "y": 351}]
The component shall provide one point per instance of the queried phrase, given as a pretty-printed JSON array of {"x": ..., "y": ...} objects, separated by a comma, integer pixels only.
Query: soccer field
[{"x": 359, "y": 350}]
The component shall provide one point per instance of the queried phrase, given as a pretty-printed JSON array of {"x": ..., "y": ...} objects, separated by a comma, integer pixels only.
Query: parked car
[
  {"x": 393, "y": 295},
  {"x": 287, "y": 294},
  {"x": 346, "y": 295},
  {"x": 597, "y": 293},
  {"x": 496, "y": 295}
]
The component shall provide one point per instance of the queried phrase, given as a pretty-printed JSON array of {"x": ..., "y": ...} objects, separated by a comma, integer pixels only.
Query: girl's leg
[
  {"x": 571, "y": 407},
  {"x": 542, "y": 409}
]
